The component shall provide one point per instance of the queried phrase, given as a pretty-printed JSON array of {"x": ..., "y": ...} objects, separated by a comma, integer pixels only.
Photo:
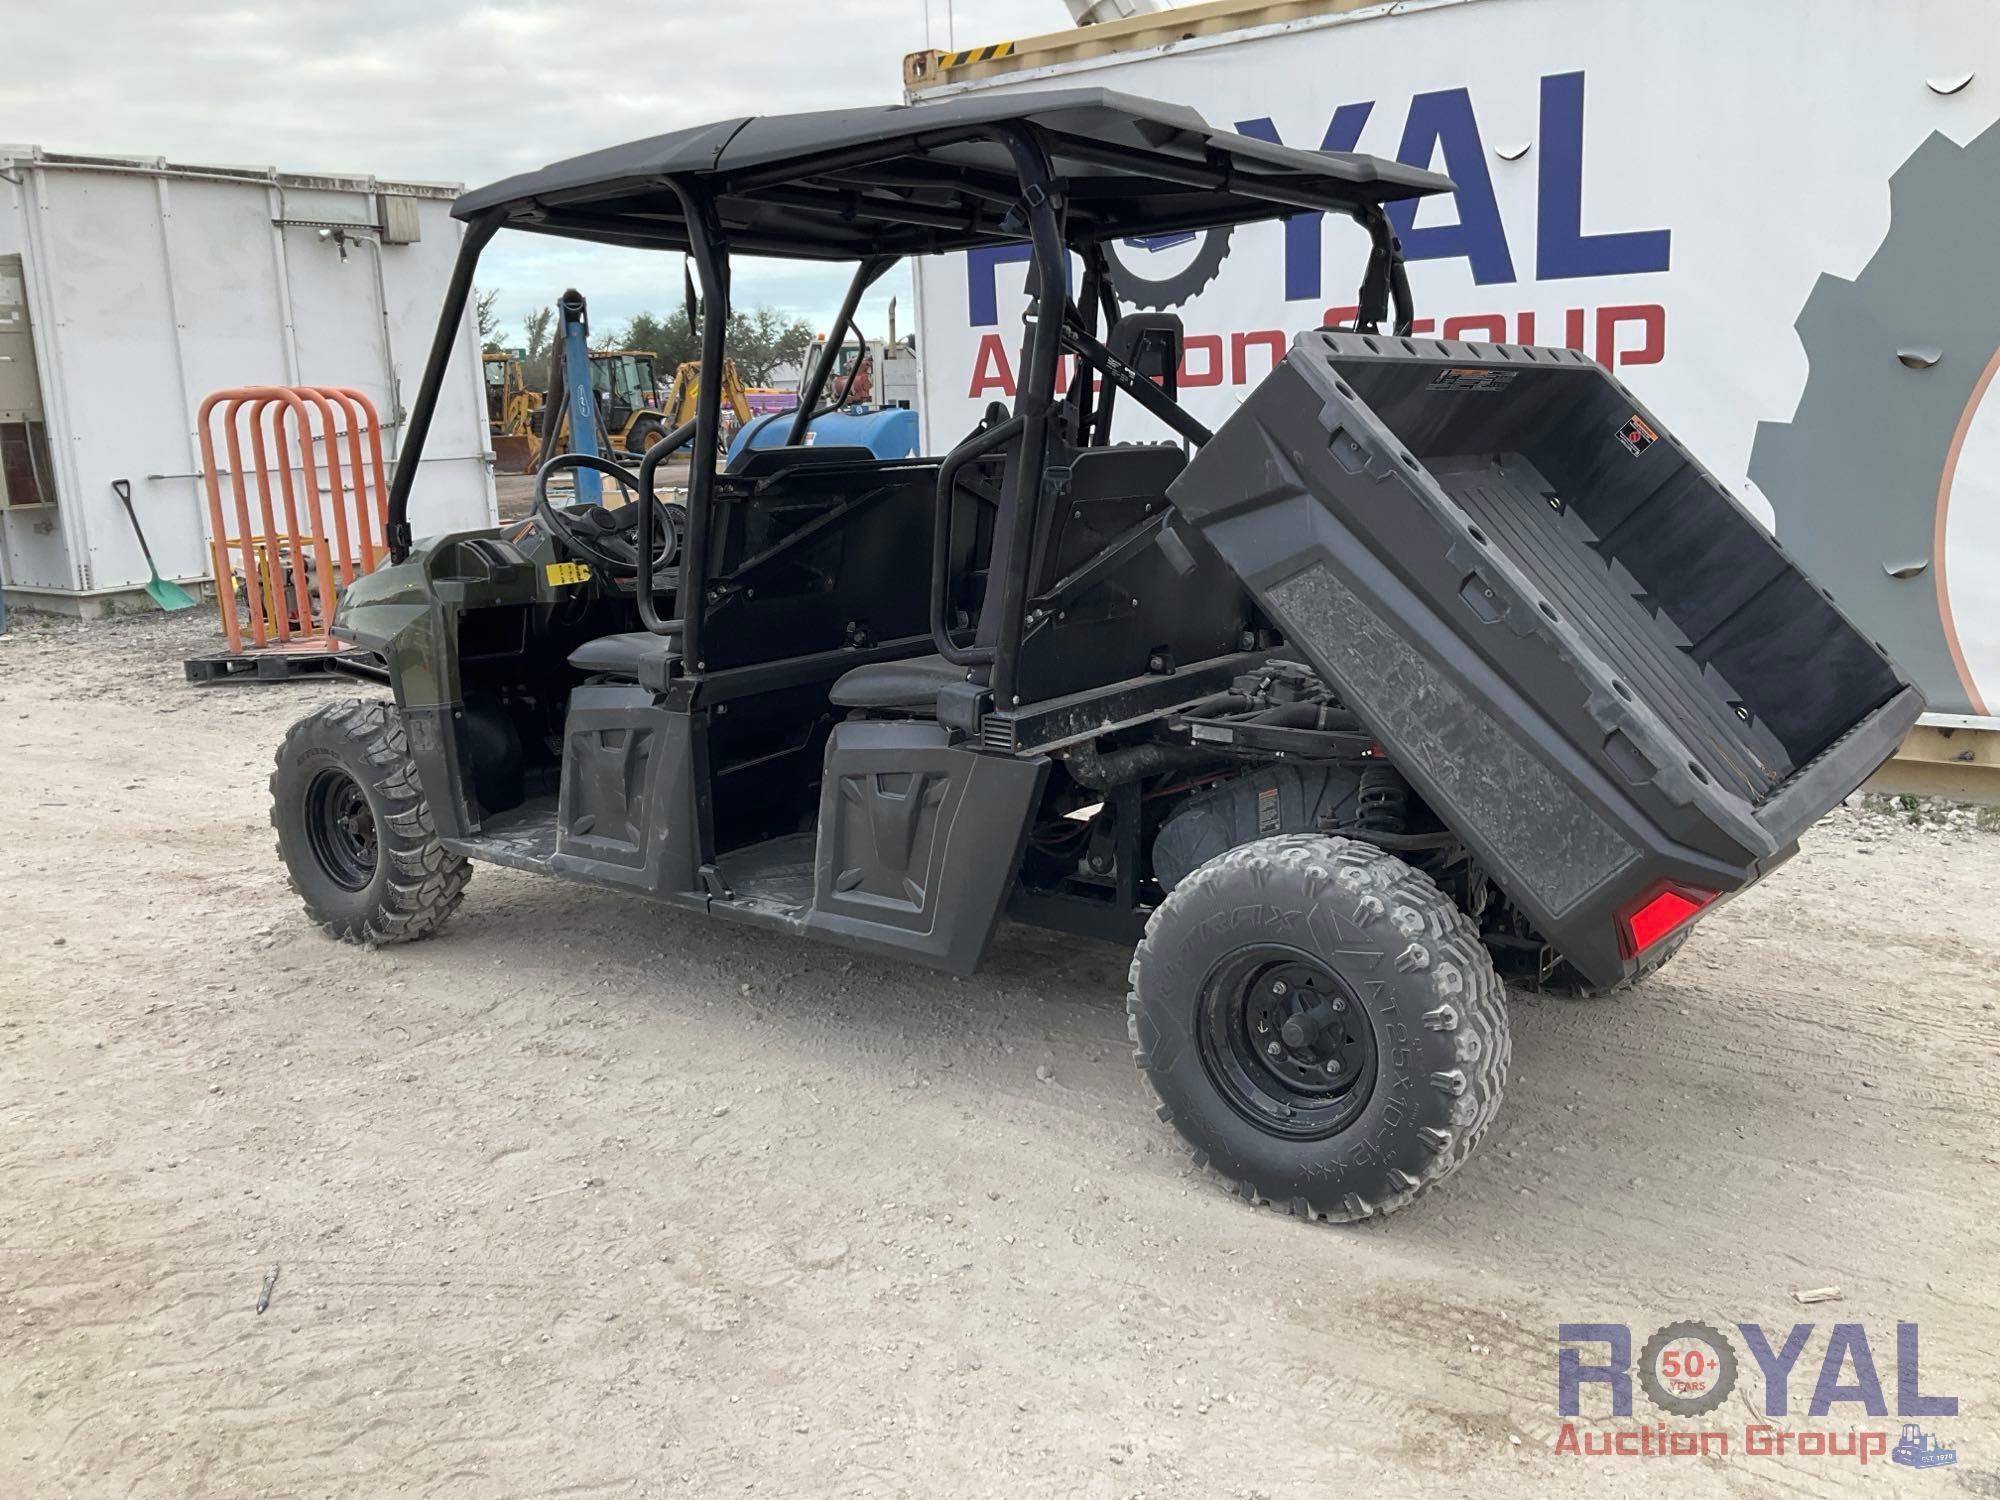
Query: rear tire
[
  {"x": 354, "y": 830},
  {"x": 1321, "y": 1024}
]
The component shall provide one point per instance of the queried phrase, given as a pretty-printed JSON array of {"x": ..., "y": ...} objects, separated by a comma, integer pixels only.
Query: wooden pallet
[{"x": 280, "y": 666}]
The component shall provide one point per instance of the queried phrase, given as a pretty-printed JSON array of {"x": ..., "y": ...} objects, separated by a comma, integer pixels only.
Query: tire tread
[
  {"x": 426, "y": 881},
  {"x": 1482, "y": 1035}
]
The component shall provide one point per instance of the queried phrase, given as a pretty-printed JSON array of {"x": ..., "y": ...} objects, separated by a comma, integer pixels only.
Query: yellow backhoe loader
[
  {"x": 513, "y": 411},
  {"x": 686, "y": 390},
  {"x": 628, "y": 407}
]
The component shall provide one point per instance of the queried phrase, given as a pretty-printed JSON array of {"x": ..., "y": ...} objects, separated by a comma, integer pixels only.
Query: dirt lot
[{"x": 585, "y": 1197}]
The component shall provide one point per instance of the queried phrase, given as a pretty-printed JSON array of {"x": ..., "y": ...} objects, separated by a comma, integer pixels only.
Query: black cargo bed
[
  {"x": 1588, "y": 658},
  {"x": 1536, "y": 527}
]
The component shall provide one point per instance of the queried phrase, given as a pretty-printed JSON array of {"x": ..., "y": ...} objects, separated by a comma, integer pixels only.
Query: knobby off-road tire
[
  {"x": 643, "y": 434},
  {"x": 1418, "y": 998},
  {"x": 354, "y": 830}
]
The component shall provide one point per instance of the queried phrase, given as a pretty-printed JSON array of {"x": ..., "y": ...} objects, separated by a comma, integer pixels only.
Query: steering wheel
[{"x": 608, "y": 538}]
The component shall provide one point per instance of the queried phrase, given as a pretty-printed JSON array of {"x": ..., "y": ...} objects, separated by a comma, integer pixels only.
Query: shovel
[{"x": 166, "y": 595}]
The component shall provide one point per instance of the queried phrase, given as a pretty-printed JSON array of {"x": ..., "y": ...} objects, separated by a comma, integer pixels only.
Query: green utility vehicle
[{"x": 1437, "y": 664}]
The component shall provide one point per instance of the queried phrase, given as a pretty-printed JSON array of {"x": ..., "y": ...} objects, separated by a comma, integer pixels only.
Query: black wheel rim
[
  {"x": 340, "y": 825},
  {"x": 1287, "y": 1042}
]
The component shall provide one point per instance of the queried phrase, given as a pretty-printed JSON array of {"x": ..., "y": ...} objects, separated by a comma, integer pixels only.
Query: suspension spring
[{"x": 1382, "y": 804}]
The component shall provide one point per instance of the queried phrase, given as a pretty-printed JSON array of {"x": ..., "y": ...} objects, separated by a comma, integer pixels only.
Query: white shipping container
[
  {"x": 132, "y": 288},
  {"x": 1776, "y": 222}
]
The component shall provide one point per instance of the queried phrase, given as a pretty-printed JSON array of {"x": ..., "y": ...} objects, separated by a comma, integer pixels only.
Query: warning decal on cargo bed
[
  {"x": 1473, "y": 378},
  {"x": 1637, "y": 435}
]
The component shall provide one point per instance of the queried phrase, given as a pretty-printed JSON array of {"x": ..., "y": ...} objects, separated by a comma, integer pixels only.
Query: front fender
[
  {"x": 407, "y": 613},
  {"x": 393, "y": 613}
]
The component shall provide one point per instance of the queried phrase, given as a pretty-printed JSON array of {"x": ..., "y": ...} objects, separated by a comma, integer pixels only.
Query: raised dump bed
[{"x": 1594, "y": 665}]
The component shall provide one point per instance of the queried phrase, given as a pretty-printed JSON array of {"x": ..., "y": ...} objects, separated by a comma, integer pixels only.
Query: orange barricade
[{"x": 291, "y": 571}]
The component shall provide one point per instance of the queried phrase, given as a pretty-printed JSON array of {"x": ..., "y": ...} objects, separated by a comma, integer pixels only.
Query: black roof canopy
[{"x": 920, "y": 179}]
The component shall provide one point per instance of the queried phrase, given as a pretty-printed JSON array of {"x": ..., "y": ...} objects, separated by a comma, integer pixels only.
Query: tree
[
  {"x": 489, "y": 320},
  {"x": 762, "y": 340},
  {"x": 670, "y": 339},
  {"x": 537, "y": 325},
  {"x": 758, "y": 341}
]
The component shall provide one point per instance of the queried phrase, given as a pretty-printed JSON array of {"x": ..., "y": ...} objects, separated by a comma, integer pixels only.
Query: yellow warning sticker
[{"x": 561, "y": 575}]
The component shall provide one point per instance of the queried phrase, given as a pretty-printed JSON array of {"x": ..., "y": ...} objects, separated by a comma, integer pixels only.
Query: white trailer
[
  {"x": 131, "y": 288},
  {"x": 1776, "y": 222}
]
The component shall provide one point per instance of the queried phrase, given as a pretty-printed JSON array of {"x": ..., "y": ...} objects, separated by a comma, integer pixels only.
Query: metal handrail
[
  {"x": 947, "y": 487},
  {"x": 642, "y": 584}
]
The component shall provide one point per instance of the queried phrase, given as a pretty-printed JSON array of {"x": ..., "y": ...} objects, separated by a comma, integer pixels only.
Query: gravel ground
[{"x": 587, "y": 1197}]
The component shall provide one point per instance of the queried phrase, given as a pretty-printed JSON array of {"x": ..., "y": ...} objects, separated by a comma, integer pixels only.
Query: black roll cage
[{"x": 1055, "y": 323}]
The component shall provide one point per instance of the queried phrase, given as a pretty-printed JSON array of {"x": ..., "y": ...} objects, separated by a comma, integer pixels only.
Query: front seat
[
  {"x": 640, "y": 655},
  {"x": 909, "y": 686}
]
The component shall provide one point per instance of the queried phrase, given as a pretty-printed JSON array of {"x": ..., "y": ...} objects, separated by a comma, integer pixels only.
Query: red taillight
[{"x": 1660, "y": 915}]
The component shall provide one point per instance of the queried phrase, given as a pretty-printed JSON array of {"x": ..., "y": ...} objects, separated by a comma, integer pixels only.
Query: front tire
[
  {"x": 354, "y": 830},
  {"x": 643, "y": 434},
  {"x": 1321, "y": 1024}
]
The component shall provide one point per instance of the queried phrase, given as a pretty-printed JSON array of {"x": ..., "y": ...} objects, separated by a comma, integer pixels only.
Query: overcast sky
[{"x": 466, "y": 92}]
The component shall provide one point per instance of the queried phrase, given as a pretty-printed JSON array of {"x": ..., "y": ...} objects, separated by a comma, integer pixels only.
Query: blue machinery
[
  {"x": 573, "y": 339},
  {"x": 885, "y": 431}
]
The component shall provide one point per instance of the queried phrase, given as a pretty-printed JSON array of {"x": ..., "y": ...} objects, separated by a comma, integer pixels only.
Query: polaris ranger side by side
[{"x": 1437, "y": 665}]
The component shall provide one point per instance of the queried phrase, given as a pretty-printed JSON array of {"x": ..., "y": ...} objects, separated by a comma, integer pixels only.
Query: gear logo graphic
[
  {"x": 1688, "y": 1368},
  {"x": 1159, "y": 293},
  {"x": 1863, "y": 476}
]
